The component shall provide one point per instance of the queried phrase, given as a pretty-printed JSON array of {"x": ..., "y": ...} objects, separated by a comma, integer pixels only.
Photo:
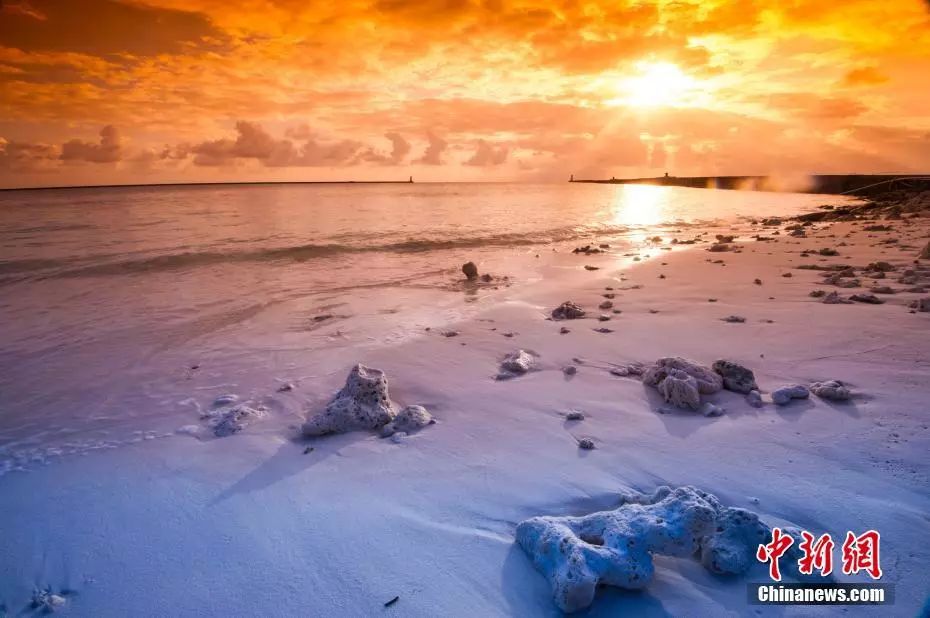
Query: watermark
[
  {"x": 821, "y": 594},
  {"x": 814, "y": 555},
  {"x": 859, "y": 553}
]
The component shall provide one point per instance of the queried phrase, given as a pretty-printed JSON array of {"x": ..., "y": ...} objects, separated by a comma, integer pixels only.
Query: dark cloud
[
  {"x": 22, "y": 157},
  {"x": 254, "y": 142},
  {"x": 486, "y": 155},
  {"x": 400, "y": 148},
  {"x": 433, "y": 153},
  {"x": 102, "y": 27},
  {"x": 107, "y": 150}
]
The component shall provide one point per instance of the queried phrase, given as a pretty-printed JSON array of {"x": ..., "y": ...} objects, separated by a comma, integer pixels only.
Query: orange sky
[{"x": 107, "y": 91}]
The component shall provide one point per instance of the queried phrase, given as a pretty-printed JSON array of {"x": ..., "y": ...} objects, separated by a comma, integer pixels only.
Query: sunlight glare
[
  {"x": 657, "y": 84},
  {"x": 640, "y": 207}
]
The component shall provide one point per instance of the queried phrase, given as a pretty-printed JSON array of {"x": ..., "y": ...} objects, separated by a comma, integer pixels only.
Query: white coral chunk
[
  {"x": 410, "y": 420},
  {"x": 680, "y": 390},
  {"x": 782, "y": 396},
  {"x": 363, "y": 403},
  {"x": 576, "y": 554},
  {"x": 708, "y": 381},
  {"x": 518, "y": 362},
  {"x": 834, "y": 390}
]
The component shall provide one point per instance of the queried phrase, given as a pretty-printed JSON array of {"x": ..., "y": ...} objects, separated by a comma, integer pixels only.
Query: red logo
[
  {"x": 860, "y": 553},
  {"x": 773, "y": 551},
  {"x": 817, "y": 554}
]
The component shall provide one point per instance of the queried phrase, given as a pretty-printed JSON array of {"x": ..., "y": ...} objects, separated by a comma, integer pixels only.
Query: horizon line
[{"x": 137, "y": 185}]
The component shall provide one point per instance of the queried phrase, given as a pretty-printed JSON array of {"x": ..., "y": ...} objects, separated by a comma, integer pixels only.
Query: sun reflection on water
[{"x": 641, "y": 207}]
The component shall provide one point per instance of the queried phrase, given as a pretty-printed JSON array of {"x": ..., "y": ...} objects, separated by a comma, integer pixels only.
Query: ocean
[{"x": 113, "y": 300}]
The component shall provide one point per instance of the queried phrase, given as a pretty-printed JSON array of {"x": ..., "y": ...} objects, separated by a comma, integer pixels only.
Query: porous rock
[
  {"x": 518, "y": 363},
  {"x": 363, "y": 403},
  {"x": 470, "y": 270},
  {"x": 708, "y": 381},
  {"x": 410, "y": 420},
  {"x": 782, "y": 396},
  {"x": 833, "y": 390},
  {"x": 870, "y": 299},
  {"x": 680, "y": 389},
  {"x": 577, "y": 554},
  {"x": 567, "y": 311},
  {"x": 834, "y": 298},
  {"x": 228, "y": 422},
  {"x": 45, "y": 600},
  {"x": 736, "y": 378},
  {"x": 730, "y": 549}
]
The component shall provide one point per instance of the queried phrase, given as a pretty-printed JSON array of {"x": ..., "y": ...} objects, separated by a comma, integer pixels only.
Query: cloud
[
  {"x": 864, "y": 76},
  {"x": 254, "y": 142},
  {"x": 107, "y": 150},
  {"x": 433, "y": 153},
  {"x": 400, "y": 148},
  {"x": 20, "y": 157},
  {"x": 535, "y": 75},
  {"x": 486, "y": 155},
  {"x": 102, "y": 27}
]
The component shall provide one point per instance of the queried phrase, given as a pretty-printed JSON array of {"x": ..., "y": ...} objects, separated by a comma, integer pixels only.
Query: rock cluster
[{"x": 682, "y": 382}]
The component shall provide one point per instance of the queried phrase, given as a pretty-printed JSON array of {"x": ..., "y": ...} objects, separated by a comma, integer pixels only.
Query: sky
[{"x": 124, "y": 91}]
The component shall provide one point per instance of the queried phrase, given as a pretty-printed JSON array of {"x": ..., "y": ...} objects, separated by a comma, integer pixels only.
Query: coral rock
[
  {"x": 567, "y": 311},
  {"x": 731, "y": 548},
  {"x": 782, "y": 396},
  {"x": 736, "y": 378},
  {"x": 45, "y": 600},
  {"x": 410, "y": 420},
  {"x": 734, "y": 319},
  {"x": 470, "y": 270},
  {"x": 234, "y": 420},
  {"x": 518, "y": 362},
  {"x": 870, "y": 299},
  {"x": 754, "y": 398},
  {"x": 834, "y": 390},
  {"x": 680, "y": 389},
  {"x": 708, "y": 381},
  {"x": 834, "y": 298},
  {"x": 576, "y": 554},
  {"x": 363, "y": 403}
]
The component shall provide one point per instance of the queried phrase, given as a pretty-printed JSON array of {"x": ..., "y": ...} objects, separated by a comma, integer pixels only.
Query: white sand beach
[{"x": 268, "y": 523}]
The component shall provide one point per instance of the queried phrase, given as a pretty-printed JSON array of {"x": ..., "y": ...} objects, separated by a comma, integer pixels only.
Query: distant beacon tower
[
  {"x": 411, "y": 179},
  {"x": 572, "y": 179}
]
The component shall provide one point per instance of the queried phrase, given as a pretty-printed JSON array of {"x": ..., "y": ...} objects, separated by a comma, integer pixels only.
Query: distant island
[{"x": 836, "y": 184}]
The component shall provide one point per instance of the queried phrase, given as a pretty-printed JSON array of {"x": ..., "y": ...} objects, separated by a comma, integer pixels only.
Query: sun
[{"x": 656, "y": 84}]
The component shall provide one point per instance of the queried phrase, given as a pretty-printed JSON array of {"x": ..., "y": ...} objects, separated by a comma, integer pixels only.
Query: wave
[{"x": 79, "y": 267}]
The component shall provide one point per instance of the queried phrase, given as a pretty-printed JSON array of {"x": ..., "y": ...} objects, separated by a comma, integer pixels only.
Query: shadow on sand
[{"x": 290, "y": 459}]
